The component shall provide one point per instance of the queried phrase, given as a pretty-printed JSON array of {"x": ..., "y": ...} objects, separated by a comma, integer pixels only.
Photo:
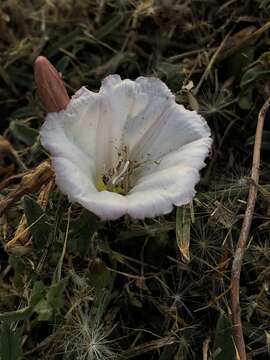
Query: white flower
[{"x": 128, "y": 149}]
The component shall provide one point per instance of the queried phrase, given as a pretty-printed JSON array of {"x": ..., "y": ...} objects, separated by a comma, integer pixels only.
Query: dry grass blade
[
  {"x": 183, "y": 222},
  {"x": 211, "y": 63},
  {"x": 150, "y": 346}
]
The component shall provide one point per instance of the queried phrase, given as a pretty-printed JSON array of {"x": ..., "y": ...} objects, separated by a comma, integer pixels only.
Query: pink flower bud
[{"x": 50, "y": 86}]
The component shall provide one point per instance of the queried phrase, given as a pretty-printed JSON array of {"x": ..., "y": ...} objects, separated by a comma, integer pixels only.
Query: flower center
[{"x": 117, "y": 178}]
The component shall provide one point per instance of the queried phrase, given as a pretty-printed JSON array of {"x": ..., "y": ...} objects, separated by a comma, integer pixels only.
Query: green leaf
[
  {"x": 38, "y": 223},
  {"x": 109, "y": 26},
  {"x": 52, "y": 303},
  {"x": 24, "y": 133},
  {"x": 37, "y": 293},
  {"x": 81, "y": 231},
  {"x": 172, "y": 73},
  {"x": 239, "y": 61},
  {"x": 18, "y": 266},
  {"x": 23, "y": 112},
  {"x": 44, "y": 310},
  {"x": 55, "y": 295},
  {"x": 245, "y": 99},
  {"x": 102, "y": 280},
  {"x": 17, "y": 315},
  {"x": 224, "y": 348},
  {"x": 68, "y": 40},
  {"x": 27, "y": 311},
  {"x": 253, "y": 74},
  {"x": 10, "y": 343}
]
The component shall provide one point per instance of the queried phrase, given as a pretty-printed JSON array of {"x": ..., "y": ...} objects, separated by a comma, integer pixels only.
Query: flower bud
[{"x": 50, "y": 86}]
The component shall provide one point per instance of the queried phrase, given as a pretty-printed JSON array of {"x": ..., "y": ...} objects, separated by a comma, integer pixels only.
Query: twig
[
  {"x": 206, "y": 348},
  {"x": 58, "y": 272},
  {"x": 244, "y": 234}
]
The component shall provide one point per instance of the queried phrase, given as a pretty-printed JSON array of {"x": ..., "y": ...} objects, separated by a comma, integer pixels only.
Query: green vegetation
[{"x": 73, "y": 287}]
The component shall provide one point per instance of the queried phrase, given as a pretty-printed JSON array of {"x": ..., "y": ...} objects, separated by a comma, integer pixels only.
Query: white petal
[
  {"x": 70, "y": 136},
  {"x": 172, "y": 130},
  {"x": 120, "y": 102},
  {"x": 107, "y": 205},
  {"x": 191, "y": 154},
  {"x": 54, "y": 138},
  {"x": 171, "y": 182},
  {"x": 140, "y": 128},
  {"x": 157, "y": 195},
  {"x": 73, "y": 126},
  {"x": 72, "y": 182}
]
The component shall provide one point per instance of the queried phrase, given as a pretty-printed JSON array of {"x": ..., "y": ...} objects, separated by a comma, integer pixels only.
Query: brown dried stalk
[{"x": 244, "y": 235}]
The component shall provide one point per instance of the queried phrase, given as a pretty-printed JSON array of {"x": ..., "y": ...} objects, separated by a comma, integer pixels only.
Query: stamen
[{"x": 121, "y": 173}]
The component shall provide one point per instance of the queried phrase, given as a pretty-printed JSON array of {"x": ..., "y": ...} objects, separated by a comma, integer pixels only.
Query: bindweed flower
[{"x": 128, "y": 149}]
